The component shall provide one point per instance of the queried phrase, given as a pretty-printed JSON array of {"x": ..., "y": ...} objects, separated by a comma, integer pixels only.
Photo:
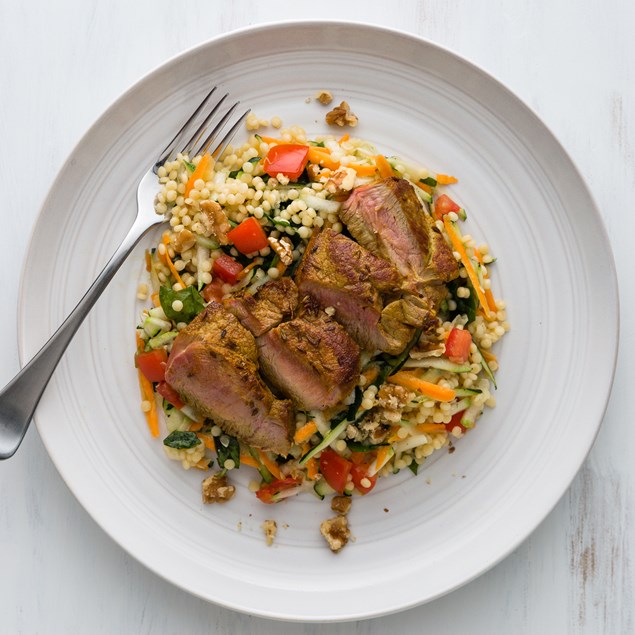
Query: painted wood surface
[{"x": 64, "y": 62}]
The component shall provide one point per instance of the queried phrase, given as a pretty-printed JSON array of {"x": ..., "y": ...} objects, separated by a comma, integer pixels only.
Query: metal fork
[{"x": 19, "y": 399}]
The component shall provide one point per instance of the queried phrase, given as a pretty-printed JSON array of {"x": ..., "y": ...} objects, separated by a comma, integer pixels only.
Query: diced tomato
[
  {"x": 359, "y": 474},
  {"x": 269, "y": 493},
  {"x": 226, "y": 268},
  {"x": 288, "y": 159},
  {"x": 169, "y": 394},
  {"x": 444, "y": 205},
  {"x": 457, "y": 346},
  {"x": 248, "y": 237},
  {"x": 455, "y": 421},
  {"x": 213, "y": 290},
  {"x": 335, "y": 469},
  {"x": 152, "y": 364}
]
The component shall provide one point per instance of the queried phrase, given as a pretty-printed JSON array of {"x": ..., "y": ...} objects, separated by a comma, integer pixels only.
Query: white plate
[{"x": 416, "y": 538}]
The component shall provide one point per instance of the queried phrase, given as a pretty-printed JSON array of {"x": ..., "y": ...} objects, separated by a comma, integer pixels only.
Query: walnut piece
[
  {"x": 393, "y": 397},
  {"x": 270, "y": 528},
  {"x": 341, "y": 116},
  {"x": 341, "y": 504},
  {"x": 324, "y": 97},
  {"x": 341, "y": 181},
  {"x": 335, "y": 532},
  {"x": 284, "y": 248},
  {"x": 215, "y": 221},
  {"x": 184, "y": 240},
  {"x": 216, "y": 489}
]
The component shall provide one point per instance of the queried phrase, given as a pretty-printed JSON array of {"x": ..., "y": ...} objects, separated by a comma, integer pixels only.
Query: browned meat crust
[
  {"x": 311, "y": 359},
  {"x": 274, "y": 301},
  {"x": 339, "y": 273},
  {"x": 388, "y": 219},
  {"x": 214, "y": 368}
]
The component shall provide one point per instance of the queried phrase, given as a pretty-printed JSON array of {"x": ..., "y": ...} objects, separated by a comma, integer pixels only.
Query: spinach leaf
[
  {"x": 181, "y": 440},
  {"x": 429, "y": 181},
  {"x": 192, "y": 301},
  {"x": 227, "y": 448},
  {"x": 190, "y": 166},
  {"x": 277, "y": 221},
  {"x": 357, "y": 402},
  {"x": 317, "y": 144},
  {"x": 464, "y": 306},
  {"x": 414, "y": 467},
  {"x": 356, "y": 446}
]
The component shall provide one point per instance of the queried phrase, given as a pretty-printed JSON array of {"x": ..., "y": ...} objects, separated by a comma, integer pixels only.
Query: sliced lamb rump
[
  {"x": 388, "y": 219},
  {"x": 273, "y": 302},
  {"x": 337, "y": 272},
  {"x": 310, "y": 358},
  {"x": 214, "y": 368}
]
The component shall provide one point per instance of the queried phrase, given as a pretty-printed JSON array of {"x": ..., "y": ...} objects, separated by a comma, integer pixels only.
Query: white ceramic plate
[{"x": 416, "y": 538}]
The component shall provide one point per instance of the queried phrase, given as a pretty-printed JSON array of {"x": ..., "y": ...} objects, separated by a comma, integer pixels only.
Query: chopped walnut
[
  {"x": 284, "y": 248},
  {"x": 270, "y": 528},
  {"x": 370, "y": 429},
  {"x": 341, "y": 504},
  {"x": 341, "y": 181},
  {"x": 215, "y": 221},
  {"x": 393, "y": 397},
  {"x": 324, "y": 97},
  {"x": 336, "y": 533},
  {"x": 341, "y": 116},
  {"x": 313, "y": 171},
  {"x": 184, "y": 240},
  {"x": 216, "y": 489}
]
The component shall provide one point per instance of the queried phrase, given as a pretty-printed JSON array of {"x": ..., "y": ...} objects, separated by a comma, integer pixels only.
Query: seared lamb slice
[
  {"x": 272, "y": 303},
  {"x": 337, "y": 272},
  {"x": 214, "y": 368},
  {"x": 388, "y": 219},
  {"x": 401, "y": 317},
  {"x": 310, "y": 358}
]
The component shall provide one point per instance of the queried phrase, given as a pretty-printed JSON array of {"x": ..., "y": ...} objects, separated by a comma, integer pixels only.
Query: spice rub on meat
[
  {"x": 363, "y": 290},
  {"x": 214, "y": 368},
  {"x": 388, "y": 219},
  {"x": 310, "y": 357}
]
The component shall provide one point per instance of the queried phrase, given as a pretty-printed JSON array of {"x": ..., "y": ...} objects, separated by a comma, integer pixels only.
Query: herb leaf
[
  {"x": 464, "y": 306},
  {"x": 190, "y": 166},
  {"x": 180, "y": 440},
  {"x": 227, "y": 448},
  {"x": 429, "y": 181},
  {"x": 414, "y": 467},
  {"x": 192, "y": 301}
]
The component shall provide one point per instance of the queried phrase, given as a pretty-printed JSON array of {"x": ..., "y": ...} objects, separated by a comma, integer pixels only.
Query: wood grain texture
[{"x": 64, "y": 62}]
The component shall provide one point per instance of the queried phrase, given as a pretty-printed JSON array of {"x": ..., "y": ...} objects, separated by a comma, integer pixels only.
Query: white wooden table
[{"x": 63, "y": 62}]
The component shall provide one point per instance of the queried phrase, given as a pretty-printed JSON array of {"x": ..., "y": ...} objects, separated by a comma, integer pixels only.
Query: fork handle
[{"x": 20, "y": 397}]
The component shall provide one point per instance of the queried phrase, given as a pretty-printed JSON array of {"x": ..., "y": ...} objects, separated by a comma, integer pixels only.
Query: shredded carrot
[
  {"x": 147, "y": 394},
  {"x": 148, "y": 261},
  {"x": 344, "y": 138},
  {"x": 207, "y": 440},
  {"x": 168, "y": 261},
  {"x": 446, "y": 179},
  {"x": 489, "y": 296},
  {"x": 254, "y": 263},
  {"x": 140, "y": 343},
  {"x": 382, "y": 455},
  {"x": 412, "y": 382},
  {"x": 322, "y": 157},
  {"x": 305, "y": 432},
  {"x": 385, "y": 169},
  {"x": 363, "y": 169},
  {"x": 247, "y": 459},
  {"x": 281, "y": 267},
  {"x": 458, "y": 246},
  {"x": 430, "y": 428},
  {"x": 394, "y": 434},
  {"x": 202, "y": 464},
  {"x": 312, "y": 469},
  {"x": 271, "y": 140},
  {"x": 424, "y": 187},
  {"x": 199, "y": 172},
  {"x": 489, "y": 357},
  {"x": 272, "y": 466},
  {"x": 196, "y": 426},
  {"x": 155, "y": 299}
]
